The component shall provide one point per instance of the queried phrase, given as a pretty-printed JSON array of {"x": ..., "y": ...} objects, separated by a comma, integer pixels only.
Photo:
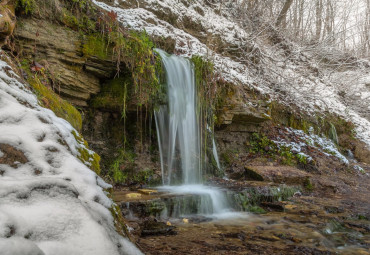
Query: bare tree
[
  {"x": 318, "y": 18},
  {"x": 366, "y": 30},
  {"x": 281, "y": 20}
]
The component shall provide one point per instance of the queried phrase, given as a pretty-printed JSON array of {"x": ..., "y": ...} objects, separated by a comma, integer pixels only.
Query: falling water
[
  {"x": 179, "y": 137},
  {"x": 177, "y": 124},
  {"x": 215, "y": 155}
]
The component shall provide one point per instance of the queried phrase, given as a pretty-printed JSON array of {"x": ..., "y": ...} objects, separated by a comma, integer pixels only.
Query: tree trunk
[
  {"x": 318, "y": 19},
  {"x": 282, "y": 16}
]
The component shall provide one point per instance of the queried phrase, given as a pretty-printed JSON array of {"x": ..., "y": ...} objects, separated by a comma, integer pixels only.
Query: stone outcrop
[
  {"x": 277, "y": 174},
  {"x": 76, "y": 77},
  {"x": 7, "y": 19},
  {"x": 11, "y": 156}
]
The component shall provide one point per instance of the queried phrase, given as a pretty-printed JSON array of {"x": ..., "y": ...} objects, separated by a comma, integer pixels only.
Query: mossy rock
[
  {"x": 113, "y": 95},
  {"x": 49, "y": 99},
  {"x": 88, "y": 157}
]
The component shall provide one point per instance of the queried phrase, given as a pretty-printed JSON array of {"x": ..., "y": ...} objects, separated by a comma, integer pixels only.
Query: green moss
[
  {"x": 206, "y": 87},
  {"x": 88, "y": 157},
  {"x": 119, "y": 221},
  {"x": 135, "y": 50},
  {"x": 121, "y": 167},
  {"x": 282, "y": 193},
  {"x": 143, "y": 176},
  {"x": 116, "y": 174},
  {"x": 156, "y": 207},
  {"x": 287, "y": 156},
  {"x": 49, "y": 99},
  {"x": 103, "y": 36},
  {"x": 40, "y": 82},
  {"x": 262, "y": 145},
  {"x": 123, "y": 170},
  {"x": 251, "y": 198},
  {"x": 362, "y": 217},
  {"x": 230, "y": 156},
  {"x": 302, "y": 159},
  {"x": 255, "y": 209},
  {"x": 113, "y": 95},
  {"x": 70, "y": 20},
  {"x": 299, "y": 123},
  {"x": 95, "y": 45},
  {"x": 308, "y": 185},
  {"x": 26, "y": 6}
]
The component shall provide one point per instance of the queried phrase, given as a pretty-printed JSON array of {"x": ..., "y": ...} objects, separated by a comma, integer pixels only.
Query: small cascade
[
  {"x": 179, "y": 139},
  {"x": 215, "y": 154},
  {"x": 333, "y": 134},
  {"x": 196, "y": 199},
  {"x": 214, "y": 148}
]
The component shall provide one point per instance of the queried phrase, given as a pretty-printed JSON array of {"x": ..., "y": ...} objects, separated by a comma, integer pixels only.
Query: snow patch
[
  {"x": 53, "y": 199},
  {"x": 323, "y": 144},
  {"x": 19, "y": 246}
]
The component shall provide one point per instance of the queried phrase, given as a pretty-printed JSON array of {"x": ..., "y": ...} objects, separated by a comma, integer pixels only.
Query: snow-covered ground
[
  {"x": 344, "y": 93},
  {"x": 50, "y": 202}
]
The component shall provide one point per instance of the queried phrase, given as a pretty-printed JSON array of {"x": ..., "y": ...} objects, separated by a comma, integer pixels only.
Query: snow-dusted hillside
[
  {"x": 288, "y": 79},
  {"x": 50, "y": 202}
]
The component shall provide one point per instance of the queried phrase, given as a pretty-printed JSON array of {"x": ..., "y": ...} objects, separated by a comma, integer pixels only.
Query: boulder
[
  {"x": 277, "y": 174},
  {"x": 7, "y": 20}
]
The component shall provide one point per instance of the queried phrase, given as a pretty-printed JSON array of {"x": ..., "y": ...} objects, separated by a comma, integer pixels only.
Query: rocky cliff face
[
  {"x": 254, "y": 103},
  {"x": 76, "y": 77}
]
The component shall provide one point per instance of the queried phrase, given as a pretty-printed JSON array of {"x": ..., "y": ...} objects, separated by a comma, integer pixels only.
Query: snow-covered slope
[
  {"x": 290, "y": 80},
  {"x": 50, "y": 202}
]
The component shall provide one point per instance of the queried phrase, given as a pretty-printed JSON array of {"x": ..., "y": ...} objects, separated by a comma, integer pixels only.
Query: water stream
[{"x": 179, "y": 139}]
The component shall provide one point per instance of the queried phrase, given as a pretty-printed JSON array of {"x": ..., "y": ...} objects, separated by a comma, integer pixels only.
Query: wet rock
[
  {"x": 277, "y": 174},
  {"x": 142, "y": 208},
  {"x": 147, "y": 191},
  {"x": 312, "y": 251},
  {"x": 77, "y": 77},
  {"x": 243, "y": 114},
  {"x": 12, "y": 156},
  {"x": 153, "y": 227},
  {"x": 275, "y": 206},
  {"x": 7, "y": 20},
  {"x": 333, "y": 209},
  {"x": 60, "y": 48},
  {"x": 199, "y": 219},
  {"x": 133, "y": 195}
]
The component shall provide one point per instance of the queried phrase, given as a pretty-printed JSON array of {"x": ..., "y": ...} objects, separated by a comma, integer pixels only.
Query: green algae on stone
[
  {"x": 49, "y": 99},
  {"x": 262, "y": 145},
  {"x": 95, "y": 45},
  {"x": 88, "y": 157},
  {"x": 27, "y": 6},
  {"x": 113, "y": 95}
]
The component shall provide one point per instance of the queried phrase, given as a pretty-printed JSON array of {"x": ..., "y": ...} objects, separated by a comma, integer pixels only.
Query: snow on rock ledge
[
  {"x": 285, "y": 81},
  {"x": 50, "y": 202}
]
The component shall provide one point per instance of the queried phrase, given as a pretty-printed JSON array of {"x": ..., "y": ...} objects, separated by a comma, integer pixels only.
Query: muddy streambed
[{"x": 277, "y": 223}]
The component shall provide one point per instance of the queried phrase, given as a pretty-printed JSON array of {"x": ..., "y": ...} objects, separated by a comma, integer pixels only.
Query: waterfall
[
  {"x": 179, "y": 138},
  {"x": 178, "y": 124}
]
